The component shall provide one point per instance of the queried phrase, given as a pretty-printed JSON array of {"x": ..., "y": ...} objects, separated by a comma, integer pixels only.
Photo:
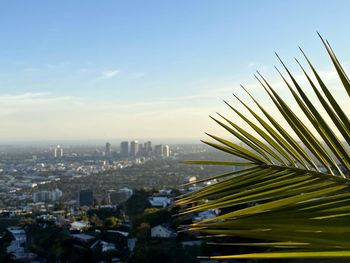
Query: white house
[
  {"x": 159, "y": 201},
  {"x": 162, "y": 232},
  {"x": 79, "y": 225},
  {"x": 203, "y": 215}
]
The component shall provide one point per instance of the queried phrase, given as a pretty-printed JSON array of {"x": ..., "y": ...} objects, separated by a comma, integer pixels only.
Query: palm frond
[{"x": 294, "y": 198}]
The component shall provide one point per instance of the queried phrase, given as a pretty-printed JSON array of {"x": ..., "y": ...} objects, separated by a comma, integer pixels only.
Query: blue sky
[{"x": 147, "y": 69}]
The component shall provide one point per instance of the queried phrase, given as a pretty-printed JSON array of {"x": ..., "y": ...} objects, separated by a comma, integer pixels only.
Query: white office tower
[
  {"x": 56, "y": 194},
  {"x": 166, "y": 151},
  {"x": 162, "y": 150},
  {"x": 58, "y": 152}
]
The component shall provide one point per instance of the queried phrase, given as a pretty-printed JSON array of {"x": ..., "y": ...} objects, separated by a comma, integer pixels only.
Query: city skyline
[{"x": 81, "y": 71}]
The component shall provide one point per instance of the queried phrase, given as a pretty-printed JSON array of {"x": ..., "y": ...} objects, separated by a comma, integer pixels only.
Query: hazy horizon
[
  {"x": 80, "y": 70},
  {"x": 114, "y": 141}
]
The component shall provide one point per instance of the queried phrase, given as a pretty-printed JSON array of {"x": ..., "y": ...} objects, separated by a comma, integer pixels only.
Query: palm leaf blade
[{"x": 293, "y": 199}]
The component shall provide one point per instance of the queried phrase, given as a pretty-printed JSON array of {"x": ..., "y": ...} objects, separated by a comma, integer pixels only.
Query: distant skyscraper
[
  {"x": 141, "y": 149},
  {"x": 134, "y": 148},
  {"x": 166, "y": 151},
  {"x": 108, "y": 149},
  {"x": 85, "y": 198},
  {"x": 58, "y": 152},
  {"x": 162, "y": 150},
  {"x": 148, "y": 147},
  {"x": 124, "y": 149},
  {"x": 158, "y": 150}
]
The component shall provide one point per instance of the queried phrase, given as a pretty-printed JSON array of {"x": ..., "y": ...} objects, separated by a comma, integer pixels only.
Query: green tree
[
  {"x": 291, "y": 197},
  {"x": 153, "y": 216},
  {"x": 112, "y": 222},
  {"x": 137, "y": 203},
  {"x": 164, "y": 251},
  {"x": 143, "y": 231},
  {"x": 5, "y": 241},
  {"x": 95, "y": 220}
]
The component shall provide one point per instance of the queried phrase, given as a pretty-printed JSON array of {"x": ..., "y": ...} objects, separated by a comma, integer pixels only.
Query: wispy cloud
[
  {"x": 252, "y": 64},
  {"x": 110, "y": 74},
  {"x": 258, "y": 66},
  {"x": 32, "y": 100}
]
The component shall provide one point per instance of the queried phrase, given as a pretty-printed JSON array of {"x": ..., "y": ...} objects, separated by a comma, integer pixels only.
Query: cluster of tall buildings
[
  {"x": 127, "y": 149},
  {"x": 46, "y": 196},
  {"x": 134, "y": 148},
  {"x": 137, "y": 149}
]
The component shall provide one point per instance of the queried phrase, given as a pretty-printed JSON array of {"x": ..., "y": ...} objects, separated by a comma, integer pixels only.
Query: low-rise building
[
  {"x": 203, "y": 215},
  {"x": 161, "y": 231},
  {"x": 160, "y": 201}
]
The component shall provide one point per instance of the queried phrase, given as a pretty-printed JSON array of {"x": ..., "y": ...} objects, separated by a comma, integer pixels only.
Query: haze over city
[
  {"x": 82, "y": 71},
  {"x": 174, "y": 131}
]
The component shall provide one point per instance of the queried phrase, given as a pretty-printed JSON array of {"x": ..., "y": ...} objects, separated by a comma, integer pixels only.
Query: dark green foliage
[
  {"x": 111, "y": 222},
  {"x": 53, "y": 243},
  {"x": 164, "y": 251},
  {"x": 7, "y": 222},
  {"x": 137, "y": 203},
  {"x": 49, "y": 242},
  {"x": 154, "y": 218},
  {"x": 4, "y": 242}
]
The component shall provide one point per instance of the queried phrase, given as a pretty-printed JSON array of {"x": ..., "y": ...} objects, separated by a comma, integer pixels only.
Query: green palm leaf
[{"x": 281, "y": 196}]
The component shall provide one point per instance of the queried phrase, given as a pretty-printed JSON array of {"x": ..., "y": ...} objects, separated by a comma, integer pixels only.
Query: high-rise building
[
  {"x": 108, "y": 149},
  {"x": 124, "y": 149},
  {"x": 158, "y": 150},
  {"x": 134, "y": 148},
  {"x": 42, "y": 196},
  {"x": 56, "y": 194},
  {"x": 36, "y": 197},
  {"x": 85, "y": 198},
  {"x": 147, "y": 147},
  {"x": 58, "y": 152},
  {"x": 162, "y": 150},
  {"x": 166, "y": 151},
  {"x": 45, "y": 196},
  {"x": 141, "y": 149}
]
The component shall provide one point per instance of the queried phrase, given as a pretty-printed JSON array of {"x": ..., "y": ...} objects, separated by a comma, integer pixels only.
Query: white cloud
[
  {"x": 110, "y": 74},
  {"x": 30, "y": 98},
  {"x": 252, "y": 64}
]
